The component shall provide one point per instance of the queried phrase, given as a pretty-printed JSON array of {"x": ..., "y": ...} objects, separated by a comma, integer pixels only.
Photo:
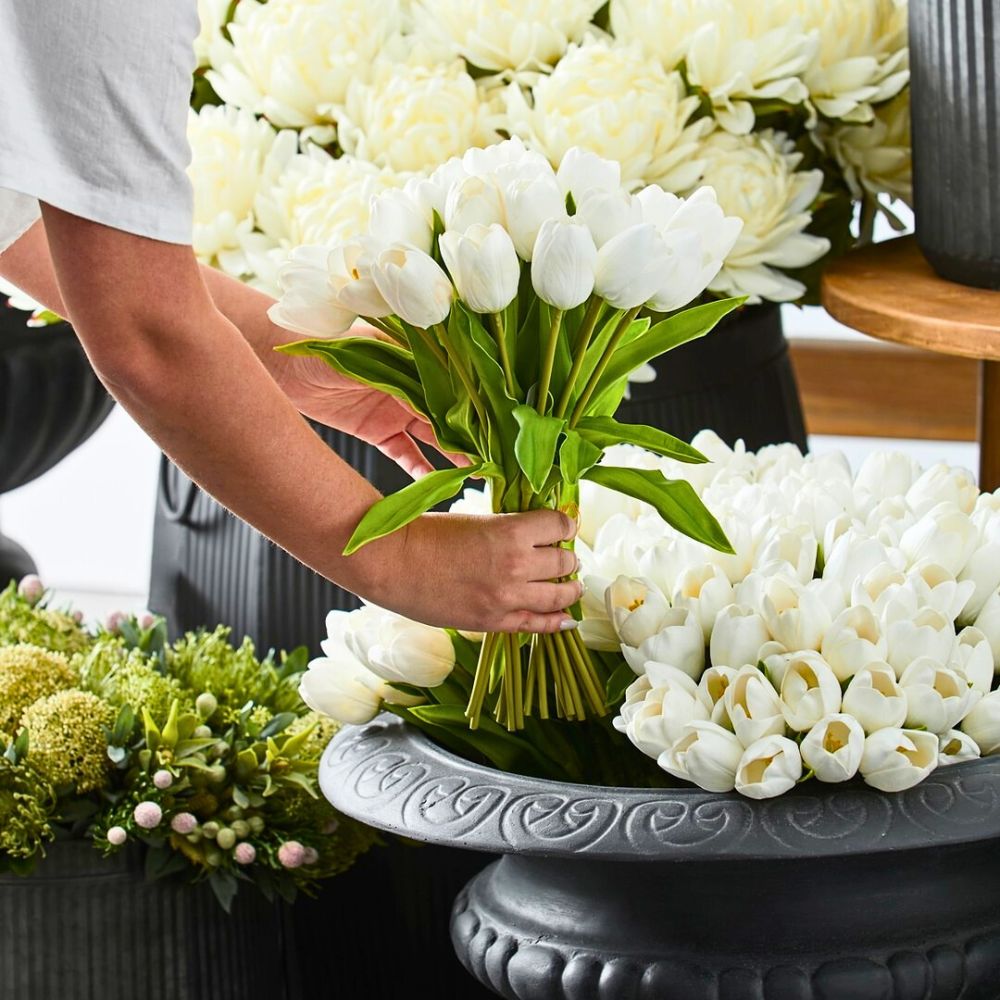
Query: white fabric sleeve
[{"x": 94, "y": 100}]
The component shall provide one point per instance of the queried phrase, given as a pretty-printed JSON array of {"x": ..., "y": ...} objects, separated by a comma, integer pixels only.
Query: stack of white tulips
[{"x": 856, "y": 631}]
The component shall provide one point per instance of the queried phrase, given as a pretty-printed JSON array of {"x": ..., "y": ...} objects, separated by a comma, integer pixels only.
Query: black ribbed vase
[
  {"x": 86, "y": 927},
  {"x": 955, "y": 101},
  {"x": 50, "y": 403}
]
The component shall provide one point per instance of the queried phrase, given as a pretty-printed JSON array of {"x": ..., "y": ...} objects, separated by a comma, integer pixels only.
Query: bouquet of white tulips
[
  {"x": 852, "y": 633},
  {"x": 509, "y": 297}
]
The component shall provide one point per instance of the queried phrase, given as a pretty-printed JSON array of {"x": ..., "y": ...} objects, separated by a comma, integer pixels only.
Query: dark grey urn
[
  {"x": 828, "y": 893},
  {"x": 955, "y": 102}
]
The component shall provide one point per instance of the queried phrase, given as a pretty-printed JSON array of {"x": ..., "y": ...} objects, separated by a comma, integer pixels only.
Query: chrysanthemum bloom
[
  {"x": 28, "y": 673},
  {"x": 67, "y": 739}
]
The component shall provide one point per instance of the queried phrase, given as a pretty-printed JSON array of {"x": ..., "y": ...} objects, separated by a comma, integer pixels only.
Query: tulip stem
[
  {"x": 463, "y": 374},
  {"x": 496, "y": 321},
  {"x": 541, "y": 404},
  {"x": 395, "y": 335},
  {"x": 590, "y": 319},
  {"x": 434, "y": 348},
  {"x": 602, "y": 365},
  {"x": 481, "y": 683}
]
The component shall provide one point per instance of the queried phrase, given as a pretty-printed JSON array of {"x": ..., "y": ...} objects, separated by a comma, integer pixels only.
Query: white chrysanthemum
[
  {"x": 293, "y": 60},
  {"x": 755, "y": 179},
  {"x": 498, "y": 35},
  {"x": 614, "y": 101},
  {"x": 863, "y": 55},
  {"x": 876, "y": 158},
  {"x": 211, "y": 15},
  {"x": 232, "y": 155},
  {"x": 414, "y": 117},
  {"x": 735, "y": 51}
]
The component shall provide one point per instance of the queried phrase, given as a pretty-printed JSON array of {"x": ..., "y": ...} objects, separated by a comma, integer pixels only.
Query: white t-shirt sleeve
[{"x": 94, "y": 101}]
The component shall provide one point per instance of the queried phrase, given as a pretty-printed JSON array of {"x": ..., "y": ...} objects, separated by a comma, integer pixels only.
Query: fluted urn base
[{"x": 912, "y": 926}]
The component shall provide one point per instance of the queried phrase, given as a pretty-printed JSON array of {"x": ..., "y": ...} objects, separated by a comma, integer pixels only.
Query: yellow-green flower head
[
  {"x": 261, "y": 715},
  {"x": 323, "y": 730},
  {"x": 26, "y": 799},
  {"x": 67, "y": 741},
  {"x": 28, "y": 673},
  {"x": 21, "y": 621}
]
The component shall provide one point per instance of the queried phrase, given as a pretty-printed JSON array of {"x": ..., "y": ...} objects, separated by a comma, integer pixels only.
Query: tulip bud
[
  {"x": 484, "y": 266},
  {"x": 926, "y": 634},
  {"x": 147, "y": 815},
  {"x": 853, "y": 642},
  {"x": 875, "y": 699},
  {"x": 117, "y": 835},
  {"x": 704, "y": 590},
  {"x": 245, "y": 854},
  {"x": 530, "y": 202},
  {"x": 943, "y": 483},
  {"x": 983, "y": 724},
  {"x": 163, "y": 779},
  {"x": 769, "y": 767},
  {"x": 308, "y": 303},
  {"x": 473, "y": 201},
  {"x": 944, "y": 536},
  {"x": 897, "y": 759},
  {"x": 707, "y": 755},
  {"x": 183, "y": 823},
  {"x": 413, "y": 286},
  {"x": 936, "y": 697},
  {"x": 753, "y": 706},
  {"x": 972, "y": 659},
  {"x": 712, "y": 693},
  {"x": 630, "y": 266},
  {"x": 988, "y": 622},
  {"x": 955, "y": 747},
  {"x": 581, "y": 171},
  {"x": 833, "y": 747},
  {"x": 810, "y": 691},
  {"x": 657, "y": 709},
  {"x": 796, "y": 617},
  {"x": 397, "y": 218},
  {"x": 563, "y": 262},
  {"x": 679, "y": 642},
  {"x": 350, "y": 267},
  {"x": 31, "y": 588},
  {"x": 737, "y": 636},
  {"x": 637, "y": 609}
]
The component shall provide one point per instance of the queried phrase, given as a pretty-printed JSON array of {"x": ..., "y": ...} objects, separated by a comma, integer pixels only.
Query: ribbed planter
[
  {"x": 85, "y": 927},
  {"x": 829, "y": 893},
  {"x": 955, "y": 101},
  {"x": 50, "y": 403}
]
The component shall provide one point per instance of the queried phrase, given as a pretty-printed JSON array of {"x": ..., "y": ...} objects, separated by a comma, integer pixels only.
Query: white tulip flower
[
  {"x": 707, "y": 755},
  {"x": 582, "y": 172},
  {"x": 972, "y": 659},
  {"x": 795, "y": 546},
  {"x": 988, "y": 622},
  {"x": 852, "y": 557},
  {"x": 308, "y": 303},
  {"x": 983, "y": 724},
  {"x": 875, "y": 698},
  {"x": 563, "y": 264},
  {"x": 926, "y": 634},
  {"x": 796, "y": 617},
  {"x": 528, "y": 203},
  {"x": 885, "y": 474},
  {"x": 397, "y": 218},
  {"x": 608, "y": 213},
  {"x": 936, "y": 697},
  {"x": 769, "y": 767},
  {"x": 897, "y": 759},
  {"x": 350, "y": 276},
  {"x": 679, "y": 642},
  {"x": 414, "y": 285},
  {"x": 955, "y": 747},
  {"x": 596, "y": 629},
  {"x": 775, "y": 658},
  {"x": 737, "y": 636},
  {"x": 944, "y": 536},
  {"x": 753, "y": 706},
  {"x": 636, "y": 608},
  {"x": 853, "y": 642},
  {"x": 833, "y": 748},
  {"x": 631, "y": 265},
  {"x": 810, "y": 691},
  {"x": 712, "y": 693},
  {"x": 943, "y": 483},
  {"x": 983, "y": 572},
  {"x": 937, "y": 588},
  {"x": 473, "y": 201},
  {"x": 484, "y": 266},
  {"x": 704, "y": 590},
  {"x": 657, "y": 710}
]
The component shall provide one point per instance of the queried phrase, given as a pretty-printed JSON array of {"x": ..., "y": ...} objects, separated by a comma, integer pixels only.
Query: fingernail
[
  {"x": 583, "y": 587},
  {"x": 567, "y": 624}
]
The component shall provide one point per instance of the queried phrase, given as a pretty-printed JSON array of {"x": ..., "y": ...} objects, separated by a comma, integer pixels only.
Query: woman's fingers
[
  {"x": 403, "y": 450},
  {"x": 550, "y": 563}
]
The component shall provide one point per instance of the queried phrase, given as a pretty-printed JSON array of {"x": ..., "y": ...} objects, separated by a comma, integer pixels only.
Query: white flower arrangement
[
  {"x": 854, "y": 634},
  {"x": 809, "y": 96}
]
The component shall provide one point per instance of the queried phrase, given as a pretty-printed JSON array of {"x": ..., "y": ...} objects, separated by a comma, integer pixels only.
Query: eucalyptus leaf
[
  {"x": 606, "y": 431},
  {"x": 535, "y": 444},
  {"x": 675, "y": 500},
  {"x": 398, "y": 509}
]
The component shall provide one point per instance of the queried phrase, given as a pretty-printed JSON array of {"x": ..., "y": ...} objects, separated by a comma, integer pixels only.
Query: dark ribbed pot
[
  {"x": 955, "y": 101},
  {"x": 50, "y": 403},
  {"x": 828, "y": 893},
  {"x": 86, "y": 927}
]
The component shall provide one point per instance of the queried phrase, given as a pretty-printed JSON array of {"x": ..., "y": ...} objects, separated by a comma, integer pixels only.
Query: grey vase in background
[{"x": 955, "y": 101}]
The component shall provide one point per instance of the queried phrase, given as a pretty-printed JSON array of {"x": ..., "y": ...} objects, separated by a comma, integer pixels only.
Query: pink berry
[
  {"x": 31, "y": 588},
  {"x": 245, "y": 854},
  {"x": 114, "y": 621},
  {"x": 148, "y": 815},
  {"x": 291, "y": 854},
  {"x": 117, "y": 836},
  {"x": 310, "y": 857},
  {"x": 183, "y": 823},
  {"x": 163, "y": 779}
]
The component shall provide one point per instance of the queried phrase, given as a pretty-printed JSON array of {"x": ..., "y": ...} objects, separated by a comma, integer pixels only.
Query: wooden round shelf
[{"x": 889, "y": 291}]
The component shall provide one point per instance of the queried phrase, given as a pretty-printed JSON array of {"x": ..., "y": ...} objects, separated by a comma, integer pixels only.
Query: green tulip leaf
[
  {"x": 577, "y": 454},
  {"x": 535, "y": 444},
  {"x": 673, "y": 499},
  {"x": 606, "y": 431},
  {"x": 398, "y": 509}
]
